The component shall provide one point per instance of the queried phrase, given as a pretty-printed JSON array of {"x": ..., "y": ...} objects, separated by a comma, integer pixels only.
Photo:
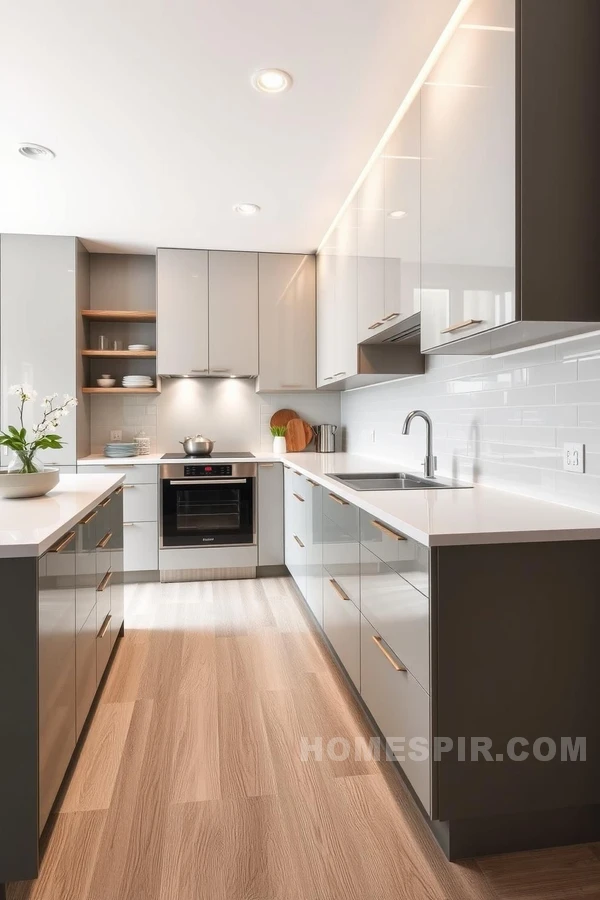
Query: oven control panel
[{"x": 196, "y": 471}]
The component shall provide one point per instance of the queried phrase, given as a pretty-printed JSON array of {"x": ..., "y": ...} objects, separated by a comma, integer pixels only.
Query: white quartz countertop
[
  {"x": 156, "y": 459},
  {"x": 29, "y": 527},
  {"x": 436, "y": 518}
]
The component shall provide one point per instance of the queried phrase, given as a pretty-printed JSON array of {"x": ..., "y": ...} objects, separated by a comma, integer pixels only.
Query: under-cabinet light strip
[{"x": 414, "y": 89}]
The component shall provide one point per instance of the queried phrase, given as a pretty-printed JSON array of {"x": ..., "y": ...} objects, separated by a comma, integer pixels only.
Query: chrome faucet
[{"x": 430, "y": 460}]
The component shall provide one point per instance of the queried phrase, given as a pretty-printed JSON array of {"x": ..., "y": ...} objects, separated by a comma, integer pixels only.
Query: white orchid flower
[{"x": 15, "y": 389}]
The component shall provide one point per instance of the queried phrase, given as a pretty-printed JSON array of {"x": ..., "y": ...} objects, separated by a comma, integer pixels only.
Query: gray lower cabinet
[
  {"x": 295, "y": 527},
  {"x": 85, "y": 655},
  {"x": 400, "y": 707},
  {"x": 57, "y": 669},
  {"x": 314, "y": 548},
  {"x": 341, "y": 624},
  {"x": 270, "y": 514}
]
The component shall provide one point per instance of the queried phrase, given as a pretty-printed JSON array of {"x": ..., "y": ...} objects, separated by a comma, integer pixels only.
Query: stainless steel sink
[{"x": 395, "y": 481}]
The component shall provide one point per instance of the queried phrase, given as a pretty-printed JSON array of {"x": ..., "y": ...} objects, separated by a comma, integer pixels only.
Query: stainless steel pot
[
  {"x": 325, "y": 435},
  {"x": 197, "y": 445}
]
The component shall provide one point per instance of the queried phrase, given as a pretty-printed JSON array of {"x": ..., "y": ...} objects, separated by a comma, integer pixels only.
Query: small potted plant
[
  {"x": 279, "y": 442},
  {"x": 26, "y": 475}
]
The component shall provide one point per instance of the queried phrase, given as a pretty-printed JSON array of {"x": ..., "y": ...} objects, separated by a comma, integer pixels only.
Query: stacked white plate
[
  {"x": 120, "y": 449},
  {"x": 137, "y": 381},
  {"x": 138, "y": 347}
]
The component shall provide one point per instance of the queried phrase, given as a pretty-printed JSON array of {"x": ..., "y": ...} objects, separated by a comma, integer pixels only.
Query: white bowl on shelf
[
  {"x": 139, "y": 347},
  {"x": 106, "y": 382}
]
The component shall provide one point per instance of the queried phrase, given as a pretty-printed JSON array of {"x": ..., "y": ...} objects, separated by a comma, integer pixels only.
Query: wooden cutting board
[
  {"x": 283, "y": 416},
  {"x": 298, "y": 436}
]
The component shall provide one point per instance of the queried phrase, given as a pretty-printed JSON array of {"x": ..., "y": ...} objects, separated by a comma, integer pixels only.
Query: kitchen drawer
[
  {"x": 314, "y": 549},
  {"x": 402, "y": 554},
  {"x": 296, "y": 559},
  {"x": 141, "y": 546},
  {"x": 341, "y": 559},
  {"x": 85, "y": 656},
  {"x": 147, "y": 473},
  {"x": 341, "y": 624},
  {"x": 400, "y": 707},
  {"x": 85, "y": 569},
  {"x": 398, "y": 611},
  {"x": 344, "y": 514},
  {"x": 103, "y": 645},
  {"x": 103, "y": 597},
  {"x": 140, "y": 503}
]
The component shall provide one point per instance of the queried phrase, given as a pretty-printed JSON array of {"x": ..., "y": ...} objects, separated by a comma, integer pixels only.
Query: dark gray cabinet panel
[
  {"x": 85, "y": 656},
  {"x": 86, "y": 569},
  {"x": 57, "y": 715},
  {"x": 117, "y": 567}
]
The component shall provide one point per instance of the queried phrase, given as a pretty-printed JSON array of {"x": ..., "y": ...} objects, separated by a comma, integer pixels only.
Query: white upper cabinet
[
  {"x": 468, "y": 179},
  {"x": 370, "y": 219},
  {"x": 346, "y": 295},
  {"x": 287, "y": 340},
  {"x": 402, "y": 219},
  {"x": 326, "y": 319},
  {"x": 233, "y": 313},
  {"x": 182, "y": 312},
  {"x": 38, "y": 326}
]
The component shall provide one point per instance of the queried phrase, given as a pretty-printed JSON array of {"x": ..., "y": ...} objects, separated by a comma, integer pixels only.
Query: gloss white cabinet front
[
  {"x": 141, "y": 546},
  {"x": 468, "y": 183},
  {"x": 233, "y": 313},
  {"x": 327, "y": 340},
  {"x": 341, "y": 624},
  {"x": 337, "y": 301},
  {"x": 182, "y": 311},
  {"x": 287, "y": 328}
]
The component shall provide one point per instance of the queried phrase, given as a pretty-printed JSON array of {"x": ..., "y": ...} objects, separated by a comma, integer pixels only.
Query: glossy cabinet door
[
  {"x": 57, "y": 669},
  {"x": 370, "y": 221},
  {"x": 287, "y": 327},
  {"x": 326, "y": 315},
  {"x": 341, "y": 624},
  {"x": 270, "y": 514},
  {"x": 346, "y": 296},
  {"x": 85, "y": 657},
  {"x": 295, "y": 528},
  {"x": 468, "y": 184},
  {"x": 141, "y": 546},
  {"x": 182, "y": 311},
  {"x": 233, "y": 313},
  {"x": 400, "y": 707},
  {"x": 314, "y": 550},
  {"x": 402, "y": 219},
  {"x": 85, "y": 564},
  {"x": 117, "y": 566}
]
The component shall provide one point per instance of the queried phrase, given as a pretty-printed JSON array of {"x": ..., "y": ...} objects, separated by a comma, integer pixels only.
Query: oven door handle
[{"x": 187, "y": 481}]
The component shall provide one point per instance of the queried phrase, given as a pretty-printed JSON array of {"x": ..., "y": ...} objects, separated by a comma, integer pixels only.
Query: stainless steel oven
[{"x": 208, "y": 505}]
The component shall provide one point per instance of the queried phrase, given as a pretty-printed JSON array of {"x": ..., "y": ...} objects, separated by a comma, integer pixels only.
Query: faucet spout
[{"x": 430, "y": 460}]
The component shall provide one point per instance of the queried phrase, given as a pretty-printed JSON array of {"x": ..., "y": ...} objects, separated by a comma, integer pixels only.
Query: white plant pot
[
  {"x": 279, "y": 445},
  {"x": 16, "y": 486}
]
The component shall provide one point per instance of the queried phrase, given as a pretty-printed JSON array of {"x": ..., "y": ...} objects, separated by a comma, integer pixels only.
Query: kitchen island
[{"x": 62, "y": 602}]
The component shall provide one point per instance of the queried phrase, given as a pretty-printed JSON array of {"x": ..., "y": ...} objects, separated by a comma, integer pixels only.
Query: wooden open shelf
[
  {"x": 119, "y": 315},
  {"x": 120, "y": 354},
  {"x": 120, "y": 390}
]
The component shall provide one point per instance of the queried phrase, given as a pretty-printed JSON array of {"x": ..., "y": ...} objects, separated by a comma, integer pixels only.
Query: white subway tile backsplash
[{"x": 499, "y": 420}]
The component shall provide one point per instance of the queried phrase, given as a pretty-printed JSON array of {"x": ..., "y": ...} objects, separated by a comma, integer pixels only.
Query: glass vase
[{"x": 25, "y": 464}]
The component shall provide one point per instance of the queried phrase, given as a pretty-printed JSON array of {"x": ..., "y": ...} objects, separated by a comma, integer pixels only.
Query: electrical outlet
[
  {"x": 574, "y": 457},
  {"x": 116, "y": 435}
]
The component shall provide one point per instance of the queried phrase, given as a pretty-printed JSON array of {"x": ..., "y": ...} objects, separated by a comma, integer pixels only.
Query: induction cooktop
[{"x": 235, "y": 454}]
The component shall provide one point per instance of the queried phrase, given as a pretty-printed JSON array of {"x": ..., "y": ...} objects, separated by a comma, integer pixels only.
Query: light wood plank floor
[{"x": 190, "y": 786}]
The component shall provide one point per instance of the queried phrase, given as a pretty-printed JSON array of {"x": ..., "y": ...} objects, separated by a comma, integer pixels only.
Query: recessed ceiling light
[
  {"x": 272, "y": 81},
  {"x": 396, "y": 214},
  {"x": 36, "y": 151},
  {"x": 246, "y": 209}
]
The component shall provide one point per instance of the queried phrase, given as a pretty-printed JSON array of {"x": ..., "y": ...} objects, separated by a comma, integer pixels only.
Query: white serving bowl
[
  {"x": 14, "y": 486},
  {"x": 106, "y": 382}
]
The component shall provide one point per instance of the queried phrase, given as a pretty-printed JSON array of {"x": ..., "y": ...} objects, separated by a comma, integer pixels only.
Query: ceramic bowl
[
  {"x": 106, "y": 382},
  {"x": 14, "y": 486}
]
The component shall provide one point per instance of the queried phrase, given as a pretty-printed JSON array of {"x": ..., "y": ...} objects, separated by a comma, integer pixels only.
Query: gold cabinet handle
[
  {"x": 328, "y": 378},
  {"x": 337, "y": 374},
  {"x": 119, "y": 490},
  {"x": 89, "y": 518},
  {"x": 121, "y": 466},
  {"x": 105, "y": 540},
  {"x": 394, "y": 662},
  {"x": 266, "y": 465},
  {"x": 128, "y": 524},
  {"x": 105, "y": 503},
  {"x": 200, "y": 370},
  {"x": 298, "y": 497},
  {"x": 290, "y": 385},
  {"x": 391, "y": 316},
  {"x": 220, "y": 370},
  {"x": 105, "y": 582},
  {"x": 105, "y": 625},
  {"x": 388, "y": 531},
  {"x": 339, "y": 590},
  {"x": 64, "y": 542},
  {"x": 376, "y": 324},
  {"x": 339, "y": 500},
  {"x": 128, "y": 486},
  {"x": 298, "y": 541},
  {"x": 313, "y": 483},
  {"x": 459, "y": 325}
]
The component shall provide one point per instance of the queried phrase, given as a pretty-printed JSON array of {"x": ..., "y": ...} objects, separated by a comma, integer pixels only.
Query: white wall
[
  {"x": 228, "y": 411},
  {"x": 497, "y": 420}
]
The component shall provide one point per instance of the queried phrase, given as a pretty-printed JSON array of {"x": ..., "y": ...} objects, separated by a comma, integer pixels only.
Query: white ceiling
[{"x": 158, "y": 132}]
